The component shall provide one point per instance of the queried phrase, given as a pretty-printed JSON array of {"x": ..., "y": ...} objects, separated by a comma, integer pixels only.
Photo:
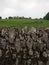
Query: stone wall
[{"x": 24, "y": 46}]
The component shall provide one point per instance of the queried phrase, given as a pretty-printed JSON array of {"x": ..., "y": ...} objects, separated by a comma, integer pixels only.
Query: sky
[{"x": 26, "y": 8}]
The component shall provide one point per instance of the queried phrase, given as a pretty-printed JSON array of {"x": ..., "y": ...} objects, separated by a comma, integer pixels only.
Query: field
[{"x": 23, "y": 22}]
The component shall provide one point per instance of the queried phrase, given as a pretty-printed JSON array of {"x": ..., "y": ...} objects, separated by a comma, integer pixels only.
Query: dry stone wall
[{"x": 24, "y": 46}]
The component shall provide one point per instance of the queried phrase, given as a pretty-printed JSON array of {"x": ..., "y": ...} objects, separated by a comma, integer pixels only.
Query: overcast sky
[{"x": 27, "y": 8}]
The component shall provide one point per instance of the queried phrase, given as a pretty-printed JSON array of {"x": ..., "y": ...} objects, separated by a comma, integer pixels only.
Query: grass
[{"x": 23, "y": 22}]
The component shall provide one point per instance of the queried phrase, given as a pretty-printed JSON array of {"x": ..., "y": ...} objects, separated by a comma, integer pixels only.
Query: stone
[
  {"x": 4, "y": 31},
  {"x": 11, "y": 35},
  {"x": 0, "y": 53},
  {"x": 24, "y": 46},
  {"x": 40, "y": 63},
  {"x": 31, "y": 52},
  {"x": 17, "y": 44},
  {"x": 32, "y": 30},
  {"x": 48, "y": 63},
  {"x": 4, "y": 43},
  {"x": 29, "y": 42}
]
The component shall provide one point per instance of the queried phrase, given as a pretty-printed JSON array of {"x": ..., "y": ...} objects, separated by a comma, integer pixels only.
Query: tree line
[
  {"x": 46, "y": 17},
  {"x": 16, "y": 17}
]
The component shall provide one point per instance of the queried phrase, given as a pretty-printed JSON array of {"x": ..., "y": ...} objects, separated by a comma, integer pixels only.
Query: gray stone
[
  {"x": 29, "y": 42},
  {"x": 17, "y": 45},
  {"x": 48, "y": 63},
  {"x": 4, "y": 43},
  {"x": 11, "y": 35},
  {"x": 40, "y": 63},
  {"x": 32, "y": 30},
  {"x": 30, "y": 52},
  {"x": 0, "y": 52},
  {"x": 23, "y": 46}
]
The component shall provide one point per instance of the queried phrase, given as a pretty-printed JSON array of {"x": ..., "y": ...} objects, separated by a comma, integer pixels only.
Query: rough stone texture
[{"x": 24, "y": 46}]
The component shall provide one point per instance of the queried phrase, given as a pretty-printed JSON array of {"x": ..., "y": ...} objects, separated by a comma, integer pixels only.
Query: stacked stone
[{"x": 24, "y": 47}]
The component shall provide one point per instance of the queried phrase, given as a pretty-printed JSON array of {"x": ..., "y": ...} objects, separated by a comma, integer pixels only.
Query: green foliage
[
  {"x": 29, "y": 17},
  {"x": 0, "y": 17},
  {"x": 19, "y": 17},
  {"x": 23, "y": 22},
  {"x": 47, "y": 16},
  {"x": 10, "y": 17}
]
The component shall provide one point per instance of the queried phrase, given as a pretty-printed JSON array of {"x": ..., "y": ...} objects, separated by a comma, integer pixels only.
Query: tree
[
  {"x": 46, "y": 17},
  {"x": 6, "y": 18},
  {"x": 0, "y": 17},
  {"x": 15, "y": 17},
  {"x": 29, "y": 17},
  {"x": 10, "y": 17}
]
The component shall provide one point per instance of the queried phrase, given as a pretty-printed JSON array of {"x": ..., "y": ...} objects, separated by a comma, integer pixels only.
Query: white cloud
[
  {"x": 9, "y": 11},
  {"x": 29, "y": 8}
]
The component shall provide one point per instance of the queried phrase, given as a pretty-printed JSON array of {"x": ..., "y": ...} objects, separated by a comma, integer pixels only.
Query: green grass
[{"x": 23, "y": 22}]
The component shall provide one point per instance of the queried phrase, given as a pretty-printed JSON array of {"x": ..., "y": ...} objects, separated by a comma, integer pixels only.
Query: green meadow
[{"x": 24, "y": 22}]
